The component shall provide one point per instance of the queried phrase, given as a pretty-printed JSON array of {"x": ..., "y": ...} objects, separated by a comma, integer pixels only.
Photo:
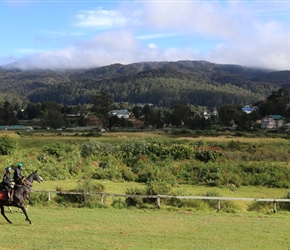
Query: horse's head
[
  {"x": 34, "y": 177},
  {"x": 37, "y": 177}
]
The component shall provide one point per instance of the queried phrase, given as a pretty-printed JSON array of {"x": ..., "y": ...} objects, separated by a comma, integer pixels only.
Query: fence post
[
  {"x": 158, "y": 202},
  {"x": 102, "y": 198},
  {"x": 49, "y": 196},
  {"x": 275, "y": 206},
  {"x": 219, "y": 205}
]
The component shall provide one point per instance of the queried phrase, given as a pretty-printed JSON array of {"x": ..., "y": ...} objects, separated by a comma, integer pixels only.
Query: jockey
[
  {"x": 7, "y": 182},
  {"x": 17, "y": 174}
]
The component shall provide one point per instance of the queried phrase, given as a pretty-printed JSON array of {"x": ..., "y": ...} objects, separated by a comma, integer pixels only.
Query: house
[
  {"x": 93, "y": 120},
  {"x": 286, "y": 126},
  {"x": 121, "y": 113},
  {"x": 272, "y": 122},
  {"x": 248, "y": 110}
]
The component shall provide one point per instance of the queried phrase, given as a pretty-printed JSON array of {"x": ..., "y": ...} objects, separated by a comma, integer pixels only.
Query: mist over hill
[{"x": 199, "y": 83}]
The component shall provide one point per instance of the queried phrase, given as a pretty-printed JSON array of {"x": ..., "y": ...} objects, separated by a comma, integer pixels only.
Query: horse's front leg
[
  {"x": 29, "y": 199},
  {"x": 25, "y": 213},
  {"x": 3, "y": 214}
]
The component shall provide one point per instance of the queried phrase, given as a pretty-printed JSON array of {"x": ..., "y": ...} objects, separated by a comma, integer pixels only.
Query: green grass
[
  {"x": 60, "y": 228},
  {"x": 56, "y": 227}
]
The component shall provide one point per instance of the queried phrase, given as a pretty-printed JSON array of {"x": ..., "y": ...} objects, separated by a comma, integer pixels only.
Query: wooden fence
[{"x": 159, "y": 197}]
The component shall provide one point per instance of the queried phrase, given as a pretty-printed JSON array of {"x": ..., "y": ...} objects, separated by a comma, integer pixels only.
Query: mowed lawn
[{"x": 109, "y": 228}]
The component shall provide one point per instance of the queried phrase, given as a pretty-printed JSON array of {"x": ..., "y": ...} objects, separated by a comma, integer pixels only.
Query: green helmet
[{"x": 20, "y": 165}]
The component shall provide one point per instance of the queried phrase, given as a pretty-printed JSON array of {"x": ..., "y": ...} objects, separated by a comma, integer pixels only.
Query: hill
[{"x": 161, "y": 83}]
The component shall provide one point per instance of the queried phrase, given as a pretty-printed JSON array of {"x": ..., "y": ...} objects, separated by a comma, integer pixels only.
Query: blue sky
[{"x": 85, "y": 34}]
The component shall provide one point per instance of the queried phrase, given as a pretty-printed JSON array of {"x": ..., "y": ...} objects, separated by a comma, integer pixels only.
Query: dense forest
[{"x": 198, "y": 83}]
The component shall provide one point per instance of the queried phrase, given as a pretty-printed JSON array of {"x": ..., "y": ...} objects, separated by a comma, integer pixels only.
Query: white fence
[{"x": 158, "y": 197}]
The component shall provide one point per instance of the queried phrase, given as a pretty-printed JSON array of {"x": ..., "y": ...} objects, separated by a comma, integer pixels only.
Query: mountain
[{"x": 161, "y": 83}]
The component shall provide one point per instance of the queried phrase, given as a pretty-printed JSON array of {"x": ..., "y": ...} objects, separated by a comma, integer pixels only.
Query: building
[
  {"x": 272, "y": 122},
  {"x": 120, "y": 113}
]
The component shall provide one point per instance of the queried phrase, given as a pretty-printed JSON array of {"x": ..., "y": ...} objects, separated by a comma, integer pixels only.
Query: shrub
[
  {"x": 119, "y": 203},
  {"x": 39, "y": 198},
  {"x": 260, "y": 206},
  {"x": 109, "y": 168},
  {"x": 206, "y": 154},
  {"x": 227, "y": 206},
  {"x": 135, "y": 201},
  {"x": 85, "y": 198},
  {"x": 90, "y": 148},
  {"x": 185, "y": 203},
  {"x": 8, "y": 145},
  {"x": 285, "y": 205},
  {"x": 234, "y": 145}
]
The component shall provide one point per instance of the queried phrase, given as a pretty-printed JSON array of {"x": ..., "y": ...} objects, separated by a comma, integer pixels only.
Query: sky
[{"x": 85, "y": 33}]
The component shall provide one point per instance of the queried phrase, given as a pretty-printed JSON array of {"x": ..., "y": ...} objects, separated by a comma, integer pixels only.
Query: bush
[
  {"x": 234, "y": 145},
  {"x": 184, "y": 203},
  {"x": 285, "y": 205},
  {"x": 227, "y": 206},
  {"x": 260, "y": 206},
  {"x": 119, "y": 203},
  {"x": 8, "y": 145},
  {"x": 110, "y": 168},
  {"x": 84, "y": 198},
  {"x": 135, "y": 201},
  {"x": 39, "y": 198},
  {"x": 206, "y": 154}
]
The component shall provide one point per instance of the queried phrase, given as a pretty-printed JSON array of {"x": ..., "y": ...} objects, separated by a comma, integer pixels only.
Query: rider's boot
[{"x": 9, "y": 197}]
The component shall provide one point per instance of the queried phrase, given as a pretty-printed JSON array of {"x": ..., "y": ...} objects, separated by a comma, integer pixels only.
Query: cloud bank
[{"x": 228, "y": 32}]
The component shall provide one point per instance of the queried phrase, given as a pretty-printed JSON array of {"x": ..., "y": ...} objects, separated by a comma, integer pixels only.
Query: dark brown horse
[{"x": 20, "y": 193}]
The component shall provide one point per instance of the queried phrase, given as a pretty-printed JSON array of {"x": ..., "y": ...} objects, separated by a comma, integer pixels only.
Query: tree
[
  {"x": 52, "y": 118},
  {"x": 230, "y": 114},
  {"x": 102, "y": 105},
  {"x": 276, "y": 104},
  {"x": 7, "y": 115},
  {"x": 181, "y": 113},
  {"x": 33, "y": 110},
  {"x": 138, "y": 112},
  {"x": 51, "y": 105}
]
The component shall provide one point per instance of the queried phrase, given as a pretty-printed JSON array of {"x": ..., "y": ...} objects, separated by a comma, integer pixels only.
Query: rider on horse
[
  {"x": 17, "y": 176},
  {"x": 7, "y": 182}
]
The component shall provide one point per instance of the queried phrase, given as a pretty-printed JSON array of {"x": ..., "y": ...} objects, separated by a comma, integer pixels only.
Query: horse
[{"x": 21, "y": 191}]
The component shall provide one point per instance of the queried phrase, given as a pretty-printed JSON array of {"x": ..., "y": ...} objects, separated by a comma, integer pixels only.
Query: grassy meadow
[
  {"x": 66, "y": 228},
  {"x": 57, "y": 226}
]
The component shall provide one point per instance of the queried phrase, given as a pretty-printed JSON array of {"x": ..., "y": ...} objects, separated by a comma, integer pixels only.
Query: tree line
[{"x": 55, "y": 115}]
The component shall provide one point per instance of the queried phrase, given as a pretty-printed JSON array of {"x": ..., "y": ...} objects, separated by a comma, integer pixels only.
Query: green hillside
[{"x": 162, "y": 83}]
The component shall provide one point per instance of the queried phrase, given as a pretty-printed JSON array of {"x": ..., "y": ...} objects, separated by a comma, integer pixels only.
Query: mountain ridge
[{"x": 161, "y": 83}]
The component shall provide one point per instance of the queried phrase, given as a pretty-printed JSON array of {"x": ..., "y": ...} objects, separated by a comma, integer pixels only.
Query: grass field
[{"x": 60, "y": 228}]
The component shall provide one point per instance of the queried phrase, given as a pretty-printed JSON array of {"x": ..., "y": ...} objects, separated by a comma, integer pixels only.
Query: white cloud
[
  {"x": 152, "y": 46},
  {"x": 156, "y": 35},
  {"x": 57, "y": 33},
  {"x": 239, "y": 32},
  {"x": 103, "y": 19}
]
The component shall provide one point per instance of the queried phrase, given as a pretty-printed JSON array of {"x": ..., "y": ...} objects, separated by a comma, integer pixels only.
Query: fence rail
[{"x": 158, "y": 197}]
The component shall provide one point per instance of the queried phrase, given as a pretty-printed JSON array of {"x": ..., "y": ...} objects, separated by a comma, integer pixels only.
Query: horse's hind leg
[
  {"x": 3, "y": 214},
  {"x": 10, "y": 209}
]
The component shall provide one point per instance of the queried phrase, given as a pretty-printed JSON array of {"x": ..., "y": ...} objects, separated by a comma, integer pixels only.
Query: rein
[{"x": 24, "y": 183}]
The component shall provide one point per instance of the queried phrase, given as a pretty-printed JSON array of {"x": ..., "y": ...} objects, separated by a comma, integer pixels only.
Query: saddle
[{"x": 3, "y": 195}]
